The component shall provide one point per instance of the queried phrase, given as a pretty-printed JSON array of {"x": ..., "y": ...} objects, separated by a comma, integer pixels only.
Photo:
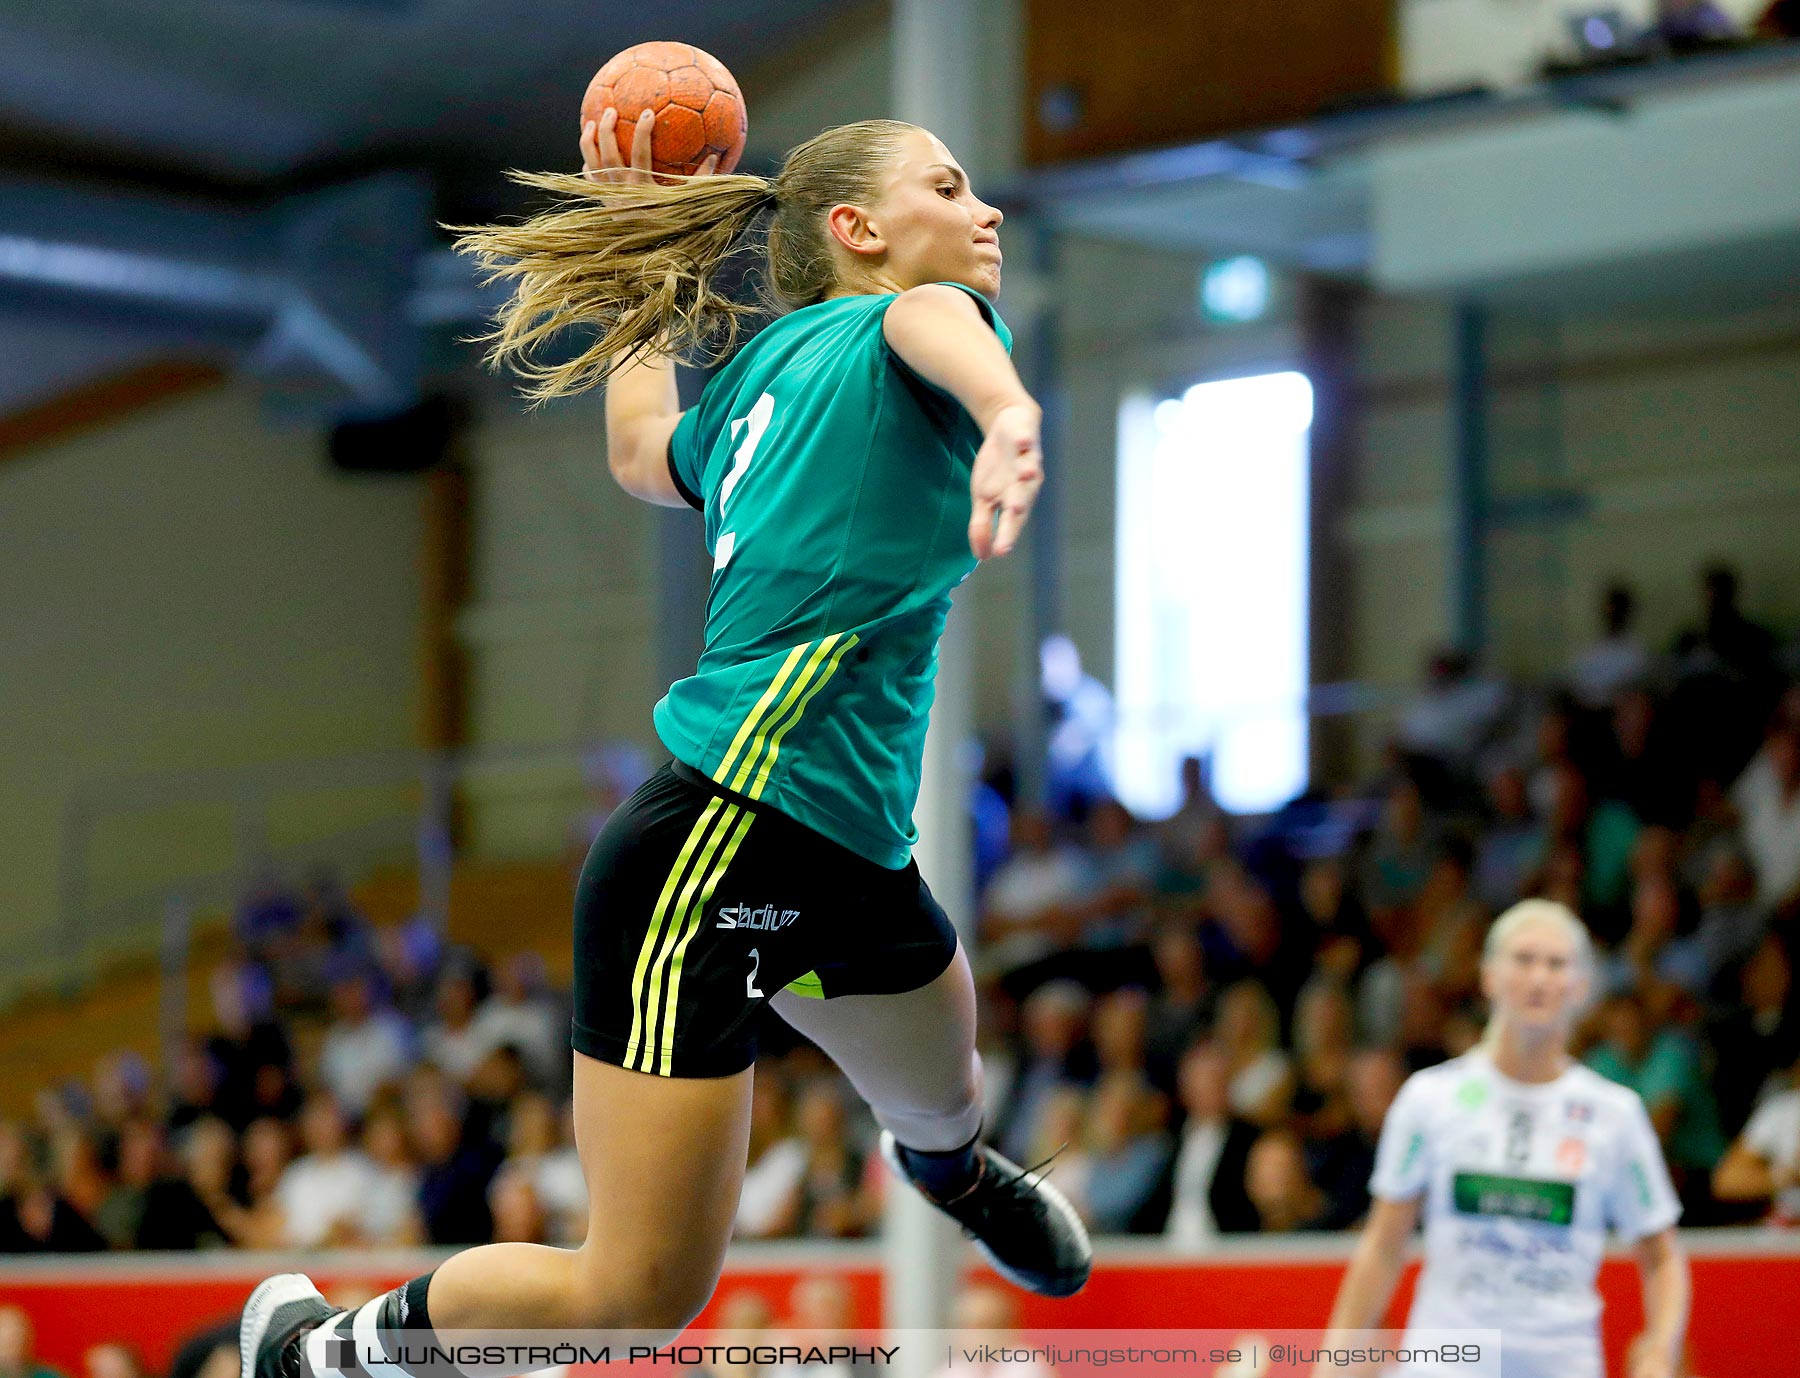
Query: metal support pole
[
  {"x": 1043, "y": 537},
  {"x": 937, "y": 83},
  {"x": 1469, "y": 488}
]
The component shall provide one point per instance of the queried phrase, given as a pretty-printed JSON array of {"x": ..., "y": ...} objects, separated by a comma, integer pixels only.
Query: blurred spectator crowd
[
  {"x": 1198, "y": 1023},
  {"x": 1605, "y": 37}
]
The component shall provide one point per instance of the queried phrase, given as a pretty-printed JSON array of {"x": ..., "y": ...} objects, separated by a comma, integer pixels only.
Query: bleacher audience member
[
  {"x": 152, "y": 1205},
  {"x": 1054, "y": 1023},
  {"x": 112, "y": 1361},
  {"x": 1331, "y": 917},
  {"x": 1245, "y": 937},
  {"x": 1261, "y": 1088},
  {"x": 1030, "y": 909},
  {"x": 1079, "y": 766},
  {"x": 519, "y": 1216},
  {"x": 1455, "y": 714},
  {"x": 1130, "y": 1152},
  {"x": 18, "y": 1346},
  {"x": 1643, "y": 764},
  {"x": 1726, "y": 680},
  {"x": 1754, "y": 1042},
  {"x": 1323, "y": 1039},
  {"x": 34, "y": 1219},
  {"x": 1767, "y": 797},
  {"x": 520, "y": 1013},
  {"x": 248, "y": 1047},
  {"x": 1208, "y": 1193},
  {"x": 455, "y": 1165},
  {"x": 777, "y": 1161},
  {"x": 828, "y": 1201},
  {"x": 1732, "y": 924},
  {"x": 365, "y": 1048},
  {"x": 1182, "y": 1006},
  {"x": 1276, "y": 1178},
  {"x": 1763, "y": 1166},
  {"x": 1343, "y": 1159},
  {"x": 268, "y": 1148},
  {"x": 324, "y": 1192},
  {"x": 1118, "y": 1032},
  {"x": 1120, "y": 863},
  {"x": 407, "y": 958},
  {"x": 1604, "y": 668},
  {"x": 1662, "y": 1064},
  {"x": 390, "y": 1215},
  {"x": 193, "y": 1085},
  {"x": 1399, "y": 857},
  {"x": 452, "y": 1042},
  {"x": 76, "y": 1171}
]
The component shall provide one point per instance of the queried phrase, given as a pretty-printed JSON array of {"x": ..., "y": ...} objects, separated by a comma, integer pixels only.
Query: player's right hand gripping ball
[{"x": 699, "y": 109}]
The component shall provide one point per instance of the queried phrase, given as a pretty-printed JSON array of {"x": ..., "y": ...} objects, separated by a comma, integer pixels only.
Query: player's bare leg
[{"x": 664, "y": 1161}]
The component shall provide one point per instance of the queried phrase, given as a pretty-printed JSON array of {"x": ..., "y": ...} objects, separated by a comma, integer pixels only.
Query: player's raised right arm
[{"x": 642, "y": 405}]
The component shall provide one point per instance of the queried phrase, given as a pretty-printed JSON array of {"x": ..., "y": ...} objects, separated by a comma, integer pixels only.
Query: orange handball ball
[{"x": 699, "y": 109}]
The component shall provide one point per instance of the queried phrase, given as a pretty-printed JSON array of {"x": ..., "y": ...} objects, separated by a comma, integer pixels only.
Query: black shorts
[{"x": 696, "y": 905}]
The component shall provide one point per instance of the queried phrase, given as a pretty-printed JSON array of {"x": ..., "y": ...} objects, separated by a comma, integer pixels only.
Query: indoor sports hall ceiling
[{"x": 255, "y": 95}]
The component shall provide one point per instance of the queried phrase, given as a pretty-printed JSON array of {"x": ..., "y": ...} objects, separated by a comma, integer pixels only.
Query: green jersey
[{"x": 835, "y": 484}]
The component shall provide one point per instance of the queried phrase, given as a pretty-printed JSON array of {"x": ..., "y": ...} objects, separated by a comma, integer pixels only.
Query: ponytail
[{"x": 636, "y": 261}]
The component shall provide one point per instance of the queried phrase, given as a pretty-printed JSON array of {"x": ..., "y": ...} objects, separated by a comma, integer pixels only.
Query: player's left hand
[
  {"x": 600, "y": 161},
  {"x": 1009, "y": 470}
]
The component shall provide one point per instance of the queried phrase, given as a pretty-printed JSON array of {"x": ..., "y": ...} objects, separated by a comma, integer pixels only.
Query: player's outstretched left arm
[
  {"x": 940, "y": 334},
  {"x": 642, "y": 405},
  {"x": 1667, "y": 1291}
]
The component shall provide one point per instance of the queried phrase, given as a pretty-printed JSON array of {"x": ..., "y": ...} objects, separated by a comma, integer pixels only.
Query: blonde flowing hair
[{"x": 639, "y": 262}]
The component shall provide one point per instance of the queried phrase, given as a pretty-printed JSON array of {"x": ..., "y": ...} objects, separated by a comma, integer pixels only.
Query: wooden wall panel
[{"x": 1113, "y": 79}]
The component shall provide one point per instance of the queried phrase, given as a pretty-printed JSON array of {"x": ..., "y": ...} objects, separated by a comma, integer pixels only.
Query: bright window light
[{"x": 1212, "y": 592}]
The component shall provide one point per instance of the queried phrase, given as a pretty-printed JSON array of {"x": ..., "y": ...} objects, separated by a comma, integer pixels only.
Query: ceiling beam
[{"x": 100, "y": 402}]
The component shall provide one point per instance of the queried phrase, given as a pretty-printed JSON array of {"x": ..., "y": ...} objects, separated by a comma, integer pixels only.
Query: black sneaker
[
  {"x": 1025, "y": 1226},
  {"x": 279, "y": 1312}
]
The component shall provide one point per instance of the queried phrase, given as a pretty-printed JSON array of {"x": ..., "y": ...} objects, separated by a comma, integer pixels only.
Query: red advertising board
[{"x": 1745, "y": 1286}]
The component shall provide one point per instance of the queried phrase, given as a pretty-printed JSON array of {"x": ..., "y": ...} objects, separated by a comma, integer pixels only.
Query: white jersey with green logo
[{"x": 1521, "y": 1183}]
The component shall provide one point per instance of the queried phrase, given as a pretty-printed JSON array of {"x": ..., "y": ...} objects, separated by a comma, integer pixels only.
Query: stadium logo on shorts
[{"x": 765, "y": 918}]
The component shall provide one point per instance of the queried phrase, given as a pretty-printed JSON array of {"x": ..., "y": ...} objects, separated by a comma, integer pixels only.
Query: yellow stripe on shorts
[
  {"x": 695, "y": 920},
  {"x": 659, "y": 968},
  {"x": 681, "y": 908},
  {"x": 701, "y": 826}
]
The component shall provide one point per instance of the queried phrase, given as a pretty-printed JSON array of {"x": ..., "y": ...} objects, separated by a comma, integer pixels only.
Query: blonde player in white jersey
[{"x": 1520, "y": 1160}]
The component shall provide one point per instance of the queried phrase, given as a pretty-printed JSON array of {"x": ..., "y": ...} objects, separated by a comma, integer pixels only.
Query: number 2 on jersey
[
  {"x": 752, "y": 428},
  {"x": 750, "y": 980}
]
